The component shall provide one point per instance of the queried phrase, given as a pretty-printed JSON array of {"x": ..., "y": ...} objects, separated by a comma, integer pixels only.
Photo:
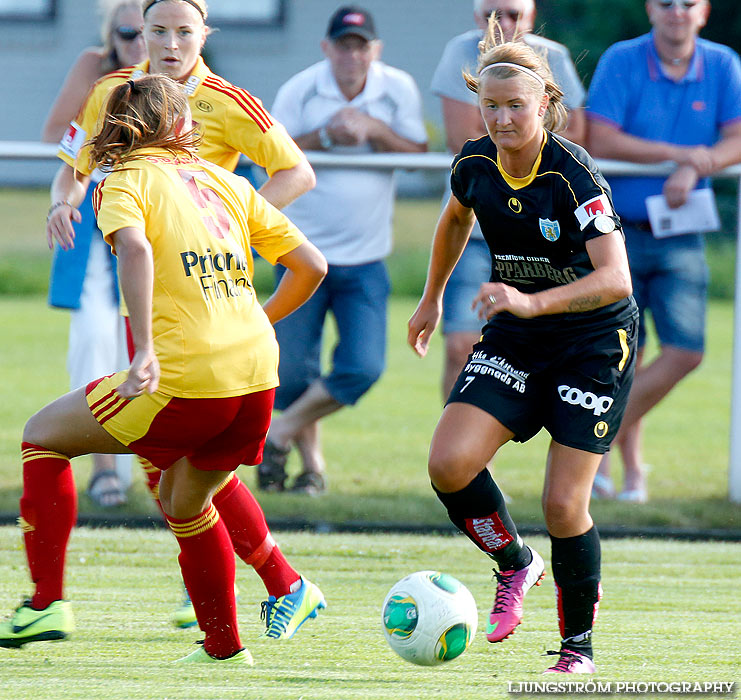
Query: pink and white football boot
[
  {"x": 511, "y": 588},
  {"x": 571, "y": 662}
]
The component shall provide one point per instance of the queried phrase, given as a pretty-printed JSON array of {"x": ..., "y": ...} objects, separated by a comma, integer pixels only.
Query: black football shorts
[{"x": 575, "y": 386}]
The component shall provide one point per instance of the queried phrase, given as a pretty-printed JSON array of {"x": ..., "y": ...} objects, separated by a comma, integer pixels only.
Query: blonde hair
[
  {"x": 109, "y": 9},
  {"x": 141, "y": 113},
  {"x": 519, "y": 54},
  {"x": 199, "y": 5}
]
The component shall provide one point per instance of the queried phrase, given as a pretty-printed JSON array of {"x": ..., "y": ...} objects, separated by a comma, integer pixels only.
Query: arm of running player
[
  {"x": 305, "y": 269},
  {"x": 136, "y": 273},
  {"x": 451, "y": 234},
  {"x": 67, "y": 192},
  {"x": 286, "y": 185},
  {"x": 609, "y": 282}
]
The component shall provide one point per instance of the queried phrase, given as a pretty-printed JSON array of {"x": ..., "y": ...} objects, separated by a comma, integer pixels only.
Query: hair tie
[
  {"x": 516, "y": 66},
  {"x": 190, "y": 2},
  {"x": 131, "y": 85}
]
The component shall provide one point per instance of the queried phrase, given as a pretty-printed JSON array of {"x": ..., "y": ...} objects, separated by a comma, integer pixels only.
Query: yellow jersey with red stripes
[
  {"x": 231, "y": 121},
  {"x": 211, "y": 336}
]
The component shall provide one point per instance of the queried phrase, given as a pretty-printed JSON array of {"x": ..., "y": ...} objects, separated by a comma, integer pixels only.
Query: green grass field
[
  {"x": 666, "y": 616},
  {"x": 376, "y": 451}
]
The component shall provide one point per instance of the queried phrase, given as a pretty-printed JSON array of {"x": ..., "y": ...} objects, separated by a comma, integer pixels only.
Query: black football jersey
[{"x": 537, "y": 227}]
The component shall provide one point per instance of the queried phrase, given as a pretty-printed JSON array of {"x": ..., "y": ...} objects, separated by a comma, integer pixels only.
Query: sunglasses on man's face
[
  {"x": 511, "y": 15},
  {"x": 679, "y": 4},
  {"x": 127, "y": 33}
]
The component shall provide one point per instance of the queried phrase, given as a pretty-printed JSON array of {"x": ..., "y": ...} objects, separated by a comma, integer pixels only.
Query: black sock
[
  {"x": 576, "y": 571},
  {"x": 480, "y": 513}
]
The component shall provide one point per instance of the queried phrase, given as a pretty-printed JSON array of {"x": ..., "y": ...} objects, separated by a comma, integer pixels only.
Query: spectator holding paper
[{"x": 665, "y": 96}]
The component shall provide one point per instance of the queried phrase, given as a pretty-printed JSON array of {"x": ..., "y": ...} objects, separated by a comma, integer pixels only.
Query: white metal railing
[{"x": 32, "y": 150}]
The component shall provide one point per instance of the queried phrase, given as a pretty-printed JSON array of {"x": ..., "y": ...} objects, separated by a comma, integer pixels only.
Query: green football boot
[
  {"x": 201, "y": 656},
  {"x": 54, "y": 622}
]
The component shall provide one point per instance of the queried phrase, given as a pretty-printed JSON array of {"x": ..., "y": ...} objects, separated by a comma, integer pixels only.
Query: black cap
[{"x": 351, "y": 20}]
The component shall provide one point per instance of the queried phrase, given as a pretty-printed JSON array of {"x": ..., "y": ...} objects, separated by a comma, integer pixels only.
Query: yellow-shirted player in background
[
  {"x": 197, "y": 399},
  {"x": 230, "y": 121}
]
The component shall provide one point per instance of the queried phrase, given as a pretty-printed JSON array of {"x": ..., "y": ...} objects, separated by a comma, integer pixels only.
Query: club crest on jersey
[
  {"x": 551, "y": 230},
  {"x": 597, "y": 206}
]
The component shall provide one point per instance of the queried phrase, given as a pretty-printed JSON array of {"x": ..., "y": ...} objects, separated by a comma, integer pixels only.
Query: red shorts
[{"x": 214, "y": 434}]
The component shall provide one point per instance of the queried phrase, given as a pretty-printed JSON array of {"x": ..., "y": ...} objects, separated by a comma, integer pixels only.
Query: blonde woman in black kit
[{"x": 558, "y": 344}]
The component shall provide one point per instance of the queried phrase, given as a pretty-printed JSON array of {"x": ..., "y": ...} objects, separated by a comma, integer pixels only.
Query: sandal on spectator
[
  {"x": 271, "y": 472},
  {"x": 105, "y": 489},
  {"x": 633, "y": 496},
  {"x": 311, "y": 483},
  {"x": 602, "y": 487}
]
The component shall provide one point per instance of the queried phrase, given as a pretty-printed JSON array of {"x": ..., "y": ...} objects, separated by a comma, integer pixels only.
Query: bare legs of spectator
[
  {"x": 299, "y": 424},
  {"x": 309, "y": 445},
  {"x": 105, "y": 487},
  {"x": 651, "y": 384}
]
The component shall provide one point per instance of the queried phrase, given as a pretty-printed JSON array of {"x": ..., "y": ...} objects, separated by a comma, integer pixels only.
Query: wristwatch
[{"x": 325, "y": 140}]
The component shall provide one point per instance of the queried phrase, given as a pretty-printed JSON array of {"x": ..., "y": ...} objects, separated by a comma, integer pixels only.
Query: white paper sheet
[{"x": 697, "y": 215}]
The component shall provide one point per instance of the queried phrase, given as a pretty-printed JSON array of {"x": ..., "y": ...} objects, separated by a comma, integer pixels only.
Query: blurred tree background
[{"x": 588, "y": 28}]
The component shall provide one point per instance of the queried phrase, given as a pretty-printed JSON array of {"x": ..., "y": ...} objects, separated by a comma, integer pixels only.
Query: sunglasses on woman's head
[{"x": 126, "y": 33}]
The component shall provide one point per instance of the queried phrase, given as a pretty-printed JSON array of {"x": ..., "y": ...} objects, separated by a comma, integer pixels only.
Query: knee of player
[
  {"x": 35, "y": 430},
  {"x": 450, "y": 472},
  {"x": 560, "y": 510}
]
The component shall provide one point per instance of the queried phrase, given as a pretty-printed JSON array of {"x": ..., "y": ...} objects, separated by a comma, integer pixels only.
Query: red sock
[
  {"x": 207, "y": 562},
  {"x": 48, "y": 514},
  {"x": 252, "y": 541},
  {"x": 153, "y": 476}
]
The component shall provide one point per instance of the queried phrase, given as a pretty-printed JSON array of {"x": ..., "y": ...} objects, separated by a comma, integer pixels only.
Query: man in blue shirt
[{"x": 664, "y": 96}]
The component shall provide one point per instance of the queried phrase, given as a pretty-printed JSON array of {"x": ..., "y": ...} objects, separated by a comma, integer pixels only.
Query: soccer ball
[{"x": 429, "y": 618}]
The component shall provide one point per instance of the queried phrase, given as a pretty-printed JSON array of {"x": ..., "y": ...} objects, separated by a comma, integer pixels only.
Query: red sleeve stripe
[
  {"x": 122, "y": 73},
  {"x": 97, "y": 197},
  {"x": 244, "y": 100},
  {"x": 238, "y": 92}
]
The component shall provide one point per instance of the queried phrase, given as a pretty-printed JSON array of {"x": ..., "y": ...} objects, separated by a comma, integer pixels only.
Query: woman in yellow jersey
[
  {"x": 197, "y": 399},
  {"x": 83, "y": 280},
  {"x": 230, "y": 121}
]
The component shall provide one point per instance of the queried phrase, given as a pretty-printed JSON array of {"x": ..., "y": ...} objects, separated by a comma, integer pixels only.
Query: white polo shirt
[{"x": 348, "y": 214}]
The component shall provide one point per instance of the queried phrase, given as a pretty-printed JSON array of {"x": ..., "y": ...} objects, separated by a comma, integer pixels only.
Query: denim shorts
[
  {"x": 356, "y": 295},
  {"x": 472, "y": 270},
  {"x": 670, "y": 280}
]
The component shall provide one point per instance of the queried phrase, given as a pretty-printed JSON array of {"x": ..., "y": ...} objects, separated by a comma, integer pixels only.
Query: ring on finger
[{"x": 492, "y": 299}]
